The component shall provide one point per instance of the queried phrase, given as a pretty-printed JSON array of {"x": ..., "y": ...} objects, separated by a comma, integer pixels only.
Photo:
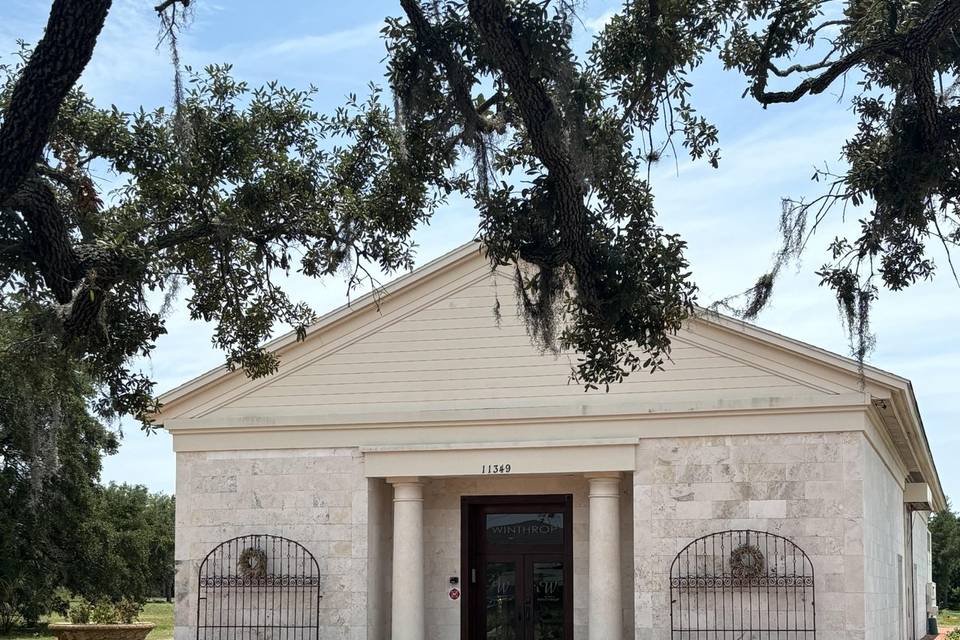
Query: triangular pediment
[{"x": 435, "y": 344}]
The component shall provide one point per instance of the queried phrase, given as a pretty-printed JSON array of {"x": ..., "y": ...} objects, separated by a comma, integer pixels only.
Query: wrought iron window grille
[
  {"x": 741, "y": 584},
  {"x": 258, "y": 587}
]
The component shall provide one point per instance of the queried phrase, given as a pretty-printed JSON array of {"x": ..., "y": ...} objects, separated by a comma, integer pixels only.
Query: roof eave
[
  {"x": 927, "y": 461},
  {"x": 281, "y": 343}
]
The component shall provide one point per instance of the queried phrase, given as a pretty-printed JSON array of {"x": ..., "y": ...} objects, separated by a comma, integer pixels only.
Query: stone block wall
[
  {"x": 922, "y": 564},
  {"x": 829, "y": 493},
  {"x": 317, "y": 497},
  {"x": 805, "y": 487},
  {"x": 883, "y": 549}
]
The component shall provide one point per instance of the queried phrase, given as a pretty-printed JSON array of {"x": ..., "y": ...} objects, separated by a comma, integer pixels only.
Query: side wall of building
[
  {"x": 885, "y": 566},
  {"x": 896, "y": 567},
  {"x": 806, "y": 487},
  {"x": 922, "y": 569},
  {"x": 317, "y": 497}
]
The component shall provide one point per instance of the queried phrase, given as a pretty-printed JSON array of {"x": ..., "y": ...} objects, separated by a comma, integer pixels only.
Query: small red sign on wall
[{"x": 454, "y": 594}]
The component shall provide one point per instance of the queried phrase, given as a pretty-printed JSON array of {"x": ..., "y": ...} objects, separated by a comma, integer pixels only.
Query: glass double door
[
  {"x": 523, "y": 597},
  {"x": 519, "y": 560}
]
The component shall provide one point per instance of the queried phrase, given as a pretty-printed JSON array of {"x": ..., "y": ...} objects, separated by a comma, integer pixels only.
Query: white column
[
  {"x": 407, "y": 612},
  {"x": 605, "y": 613}
]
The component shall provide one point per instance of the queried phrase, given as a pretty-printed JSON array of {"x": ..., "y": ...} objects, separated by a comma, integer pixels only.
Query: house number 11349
[{"x": 495, "y": 468}]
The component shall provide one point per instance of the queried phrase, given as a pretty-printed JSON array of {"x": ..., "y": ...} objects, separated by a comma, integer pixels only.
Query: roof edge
[
  {"x": 801, "y": 348},
  {"x": 288, "y": 339}
]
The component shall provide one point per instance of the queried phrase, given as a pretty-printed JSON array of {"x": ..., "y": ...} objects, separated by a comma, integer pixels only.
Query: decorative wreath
[
  {"x": 746, "y": 561},
  {"x": 252, "y": 563}
]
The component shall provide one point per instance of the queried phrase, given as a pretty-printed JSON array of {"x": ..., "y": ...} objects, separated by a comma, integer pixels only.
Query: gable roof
[
  {"x": 445, "y": 305},
  {"x": 369, "y": 300}
]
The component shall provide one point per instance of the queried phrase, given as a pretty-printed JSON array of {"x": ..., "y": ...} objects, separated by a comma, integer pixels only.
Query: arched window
[
  {"x": 258, "y": 586},
  {"x": 742, "y": 584}
]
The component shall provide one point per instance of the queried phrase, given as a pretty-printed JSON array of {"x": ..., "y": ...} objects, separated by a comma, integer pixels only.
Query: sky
[{"x": 728, "y": 216}]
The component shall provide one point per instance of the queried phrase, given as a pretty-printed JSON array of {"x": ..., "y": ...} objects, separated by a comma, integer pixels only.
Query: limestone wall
[
  {"x": 897, "y": 569},
  {"x": 922, "y": 569},
  {"x": 830, "y": 493},
  {"x": 317, "y": 497},
  {"x": 806, "y": 487},
  {"x": 379, "y": 558},
  {"x": 883, "y": 549}
]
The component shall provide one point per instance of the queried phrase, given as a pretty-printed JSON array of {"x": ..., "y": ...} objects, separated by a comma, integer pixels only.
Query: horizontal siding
[
  {"x": 454, "y": 354},
  {"x": 330, "y": 371},
  {"x": 474, "y": 338},
  {"x": 460, "y": 350},
  {"x": 380, "y": 404},
  {"x": 371, "y": 401},
  {"x": 500, "y": 386}
]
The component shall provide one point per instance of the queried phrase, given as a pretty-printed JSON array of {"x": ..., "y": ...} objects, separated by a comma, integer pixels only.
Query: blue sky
[{"x": 727, "y": 215}]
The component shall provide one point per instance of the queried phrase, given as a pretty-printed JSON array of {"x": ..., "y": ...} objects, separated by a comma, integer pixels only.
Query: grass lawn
[
  {"x": 159, "y": 613},
  {"x": 948, "y": 618}
]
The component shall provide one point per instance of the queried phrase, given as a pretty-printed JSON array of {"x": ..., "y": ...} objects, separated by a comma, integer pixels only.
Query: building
[{"x": 432, "y": 475}]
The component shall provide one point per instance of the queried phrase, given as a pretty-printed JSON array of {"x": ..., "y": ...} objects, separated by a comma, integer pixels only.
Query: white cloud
[
  {"x": 596, "y": 24},
  {"x": 127, "y": 68},
  {"x": 327, "y": 43}
]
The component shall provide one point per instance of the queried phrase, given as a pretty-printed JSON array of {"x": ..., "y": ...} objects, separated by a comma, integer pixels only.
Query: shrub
[
  {"x": 79, "y": 612},
  {"x": 954, "y": 635},
  {"x": 8, "y": 617},
  {"x": 128, "y": 609},
  {"x": 60, "y": 602},
  {"x": 104, "y": 613}
]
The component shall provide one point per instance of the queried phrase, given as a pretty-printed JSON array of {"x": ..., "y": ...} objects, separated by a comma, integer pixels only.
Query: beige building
[{"x": 431, "y": 475}]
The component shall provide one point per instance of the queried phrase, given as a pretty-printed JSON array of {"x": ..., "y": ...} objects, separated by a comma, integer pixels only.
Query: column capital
[
  {"x": 404, "y": 480},
  {"x": 604, "y": 485},
  {"x": 408, "y": 489},
  {"x": 596, "y": 475}
]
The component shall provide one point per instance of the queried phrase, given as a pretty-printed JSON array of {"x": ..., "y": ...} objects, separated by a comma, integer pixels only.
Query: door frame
[{"x": 470, "y": 537}]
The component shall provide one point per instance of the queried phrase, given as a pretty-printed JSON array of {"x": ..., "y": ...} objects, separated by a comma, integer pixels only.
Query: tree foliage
[
  {"x": 898, "y": 61},
  {"x": 129, "y": 544},
  {"x": 490, "y": 102},
  {"x": 60, "y": 529},
  {"x": 50, "y": 452},
  {"x": 221, "y": 210},
  {"x": 945, "y": 533}
]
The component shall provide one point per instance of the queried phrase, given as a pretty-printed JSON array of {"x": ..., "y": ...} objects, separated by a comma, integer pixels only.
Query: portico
[{"x": 592, "y": 471}]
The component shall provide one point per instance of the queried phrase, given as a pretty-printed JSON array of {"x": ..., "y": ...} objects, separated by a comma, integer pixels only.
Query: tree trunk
[
  {"x": 56, "y": 64},
  {"x": 544, "y": 124}
]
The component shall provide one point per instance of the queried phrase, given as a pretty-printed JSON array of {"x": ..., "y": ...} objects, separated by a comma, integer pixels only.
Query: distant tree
[
  {"x": 59, "y": 528},
  {"x": 160, "y": 517},
  {"x": 50, "y": 452},
  {"x": 131, "y": 544},
  {"x": 945, "y": 532},
  {"x": 116, "y": 561},
  {"x": 490, "y": 102}
]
